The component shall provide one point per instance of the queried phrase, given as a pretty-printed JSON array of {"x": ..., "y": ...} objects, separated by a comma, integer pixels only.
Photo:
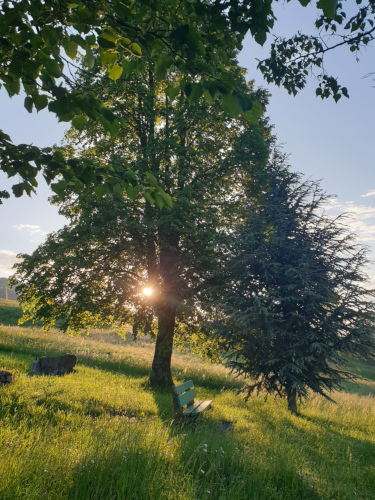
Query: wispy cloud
[
  {"x": 370, "y": 193},
  {"x": 361, "y": 220},
  {"x": 7, "y": 259},
  {"x": 36, "y": 233}
]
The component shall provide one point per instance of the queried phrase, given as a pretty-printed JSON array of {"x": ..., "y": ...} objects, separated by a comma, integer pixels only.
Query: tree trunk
[
  {"x": 292, "y": 401},
  {"x": 166, "y": 307},
  {"x": 161, "y": 375}
]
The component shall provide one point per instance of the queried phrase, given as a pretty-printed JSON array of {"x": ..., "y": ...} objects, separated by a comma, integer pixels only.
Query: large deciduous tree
[
  {"x": 295, "y": 308},
  {"x": 92, "y": 271}
]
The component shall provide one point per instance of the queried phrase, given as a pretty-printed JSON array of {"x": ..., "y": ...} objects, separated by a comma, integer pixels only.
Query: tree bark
[
  {"x": 166, "y": 306},
  {"x": 292, "y": 401},
  {"x": 161, "y": 375}
]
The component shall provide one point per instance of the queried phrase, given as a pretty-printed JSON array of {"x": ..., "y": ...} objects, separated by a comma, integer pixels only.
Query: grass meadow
[{"x": 101, "y": 432}]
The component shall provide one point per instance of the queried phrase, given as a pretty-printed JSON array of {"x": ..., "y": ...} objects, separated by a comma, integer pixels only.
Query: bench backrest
[{"x": 185, "y": 393}]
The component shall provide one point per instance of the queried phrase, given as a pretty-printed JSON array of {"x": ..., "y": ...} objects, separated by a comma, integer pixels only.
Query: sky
[{"x": 326, "y": 141}]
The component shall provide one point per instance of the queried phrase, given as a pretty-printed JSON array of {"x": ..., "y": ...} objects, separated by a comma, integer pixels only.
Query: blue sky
[{"x": 327, "y": 141}]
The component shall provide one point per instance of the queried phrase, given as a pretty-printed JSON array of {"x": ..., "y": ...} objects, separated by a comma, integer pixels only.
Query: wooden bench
[{"x": 183, "y": 395}]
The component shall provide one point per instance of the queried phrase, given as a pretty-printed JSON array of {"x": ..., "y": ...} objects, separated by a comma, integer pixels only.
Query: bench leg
[{"x": 177, "y": 411}]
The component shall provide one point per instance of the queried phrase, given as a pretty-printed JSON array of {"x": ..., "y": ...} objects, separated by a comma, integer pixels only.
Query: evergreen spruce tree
[{"x": 295, "y": 306}]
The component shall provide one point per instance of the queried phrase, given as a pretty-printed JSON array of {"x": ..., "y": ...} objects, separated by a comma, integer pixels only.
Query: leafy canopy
[
  {"x": 92, "y": 272},
  {"x": 41, "y": 41}
]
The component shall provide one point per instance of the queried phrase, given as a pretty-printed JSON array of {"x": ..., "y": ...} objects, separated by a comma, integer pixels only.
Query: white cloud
[
  {"x": 370, "y": 193},
  {"x": 7, "y": 259},
  {"x": 361, "y": 220},
  {"x": 36, "y": 233}
]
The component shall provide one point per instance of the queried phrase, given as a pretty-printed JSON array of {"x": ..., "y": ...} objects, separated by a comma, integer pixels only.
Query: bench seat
[
  {"x": 197, "y": 408},
  {"x": 183, "y": 395}
]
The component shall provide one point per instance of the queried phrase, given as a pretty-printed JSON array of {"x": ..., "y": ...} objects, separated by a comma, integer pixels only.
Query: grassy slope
[
  {"x": 10, "y": 313},
  {"x": 101, "y": 433}
]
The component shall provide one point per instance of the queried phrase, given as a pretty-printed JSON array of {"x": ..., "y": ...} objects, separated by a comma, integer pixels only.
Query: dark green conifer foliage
[{"x": 295, "y": 306}]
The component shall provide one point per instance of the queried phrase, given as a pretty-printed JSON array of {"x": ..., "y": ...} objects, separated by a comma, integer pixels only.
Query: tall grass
[{"x": 102, "y": 433}]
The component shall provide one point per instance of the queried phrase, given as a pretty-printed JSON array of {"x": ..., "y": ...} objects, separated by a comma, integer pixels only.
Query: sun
[{"x": 147, "y": 291}]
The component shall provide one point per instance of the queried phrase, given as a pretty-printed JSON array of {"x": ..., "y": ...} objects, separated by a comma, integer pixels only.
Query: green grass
[
  {"x": 10, "y": 313},
  {"x": 101, "y": 432}
]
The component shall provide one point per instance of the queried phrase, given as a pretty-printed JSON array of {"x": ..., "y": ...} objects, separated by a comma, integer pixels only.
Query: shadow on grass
[
  {"x": 359, "y": 387},
  {"x": 325, "y": 449},
  {"x": 185, "y": 463},
  {"x": 131, "y": 370}
]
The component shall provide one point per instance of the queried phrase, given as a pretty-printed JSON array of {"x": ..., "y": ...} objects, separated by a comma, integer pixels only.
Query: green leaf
[
  {"x": 102, "y": 189},
  {"x": 172, "y": 92},
  {"x": 108, "y": 115},
  {"x": 117, "y": 189},
  {"x": 254, "y": 113},
  {"x": 40, "y": 102},
  {"x": 260, "y": 37},
  {"x": 304, "y": 3},
  {"x": 180, "y": 33},
  {"x": 59, "y": 187},
  {"x": 161, "y": 67},
  {"x": 152, "y": 180},
  {"x": 135, "y": 49},
  {"x": 149, "y": 198},
  {"x": 112, "y": 128},
  {"x": 89, "y": 59},
  {"x": 208, "y": 97},
  {"x": 52, "y": 68},
  {"x": 70, "y": 48},
  {"x": 28, "y": 103},
  {"x": 128, "y": 66},
  {"x": 132, "y": 191},
  {"x": 12, "y": 85},
  {"x": 196, "y": 92},
  {"x": 18, "y": 189},
  {"x": 115, "y": 72},
  {"x": 231, "y": 105},
  {"x": 79, "y": 122},
  {"x": 159, "y": 200},
  {"x": 328, "y": 7},
  {"x": 91, "y": 39},
  {"x": 58, "y": 156},
  {"x": 167, "y": 199},
  {"x": 59, "y": 106},
  {"x": 107, "y": 41},
  {"x": 107, "y": 57}
]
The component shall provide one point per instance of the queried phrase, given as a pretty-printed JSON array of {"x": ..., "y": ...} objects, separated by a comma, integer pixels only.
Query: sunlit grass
[{"x": 102, "y": 433}]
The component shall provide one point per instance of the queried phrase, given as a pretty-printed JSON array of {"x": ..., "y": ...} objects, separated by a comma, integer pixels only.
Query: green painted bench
[{"x": 183, "y": 395}]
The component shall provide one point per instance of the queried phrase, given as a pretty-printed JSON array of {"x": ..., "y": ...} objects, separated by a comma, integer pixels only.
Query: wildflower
[
  {"x": 92, "y": 461},
  {"x": 208, "y": 491},
  {"x": 202, "y": 471},
  {"x": 45, "y": 470}
]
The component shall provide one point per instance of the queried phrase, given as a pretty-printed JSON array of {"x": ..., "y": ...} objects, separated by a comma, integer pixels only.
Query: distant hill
[{"x": 5, "y": 291}]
